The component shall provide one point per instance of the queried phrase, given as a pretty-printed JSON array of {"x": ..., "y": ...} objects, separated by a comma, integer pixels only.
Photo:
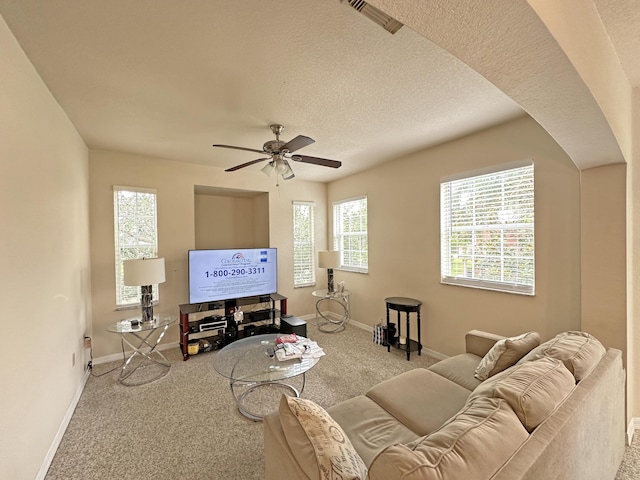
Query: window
[
  {"x": 487, "y": 229},
  {"x": 304, "y": 272},
  {"x": 136, "y": 235},
  {"x": 350, "y": 236}
]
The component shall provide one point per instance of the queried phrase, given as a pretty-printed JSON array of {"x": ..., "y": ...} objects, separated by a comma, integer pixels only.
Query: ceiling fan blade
[
  {"x": 239, "y": 148},
  {"x": 316, "y": 161},
  {"x": 297, "y": 143},
  {"x": 238, "y": 167}
]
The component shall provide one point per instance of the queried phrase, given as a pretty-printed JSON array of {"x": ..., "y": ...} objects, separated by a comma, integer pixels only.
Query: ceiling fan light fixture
[
  {"x": 277, "y": 152},
  {"x": 279, "y": 166},
  {"x": 288, "y": 173},
  {"x": 267, "y": 169}
]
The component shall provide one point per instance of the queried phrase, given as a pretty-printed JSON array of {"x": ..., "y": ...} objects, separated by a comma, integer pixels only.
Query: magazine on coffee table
[{"x": 303, "y": 348}]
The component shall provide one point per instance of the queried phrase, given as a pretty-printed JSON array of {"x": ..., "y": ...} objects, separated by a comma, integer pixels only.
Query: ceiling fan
[{"x": 280, "y": 152}]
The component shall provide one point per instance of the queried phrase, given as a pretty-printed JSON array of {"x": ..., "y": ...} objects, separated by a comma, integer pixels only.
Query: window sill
[
  {"x": 352, "y": 270},
  {"x": 133, "y": 306},
  {"x": 492, "y": 286}
]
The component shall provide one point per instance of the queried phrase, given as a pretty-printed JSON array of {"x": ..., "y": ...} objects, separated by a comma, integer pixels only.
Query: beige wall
[
  {"x": 228, "y": 222},
  {"x": 609, "y": 74},
  {"x": 175, "y": 183},
  {"x": 404, "y": 242},
  {"x": 44, "y": 254},
  {"x": 401, "y": 219},
  {"x": 45, "y": 258},
  {"x": 603, "y": 222},
  {"x": 633, "y": 262},
  {"x": 587, "y": 43},
  {"x": 598, "y": 43}
]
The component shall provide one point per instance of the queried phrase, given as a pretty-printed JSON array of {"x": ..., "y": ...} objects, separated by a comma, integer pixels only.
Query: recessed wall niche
[{"x": 230, "y": 218}]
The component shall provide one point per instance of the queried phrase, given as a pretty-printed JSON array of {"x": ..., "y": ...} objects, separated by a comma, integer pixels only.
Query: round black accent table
[{"x": 407, "y": 305}]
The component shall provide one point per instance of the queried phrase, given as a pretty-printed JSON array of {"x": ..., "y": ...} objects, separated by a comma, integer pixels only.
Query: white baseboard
[
  {"x": 432, "y": 353},
  {"x": 634, "y": 424},
  {"x": 46, "y": 463},
  {"x": 118, "y": 356}
]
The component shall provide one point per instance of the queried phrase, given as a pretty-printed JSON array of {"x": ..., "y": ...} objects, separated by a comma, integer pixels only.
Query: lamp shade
[
  {"x": 146, "y": 271},
  {"x": 267, "y": 169},
  {"x": 279, "y": 166},
  {"x": 329, "y": 259}
]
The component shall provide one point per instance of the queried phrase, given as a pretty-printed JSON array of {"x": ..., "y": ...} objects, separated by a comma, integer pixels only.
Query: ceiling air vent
[{"x": 378, "y": 16}]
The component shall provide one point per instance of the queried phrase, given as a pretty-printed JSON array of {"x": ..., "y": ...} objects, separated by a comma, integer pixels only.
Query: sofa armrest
[{"x": 479, "y": 342}]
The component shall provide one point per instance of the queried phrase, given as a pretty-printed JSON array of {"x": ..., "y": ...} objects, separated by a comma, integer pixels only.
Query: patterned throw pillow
[
  {"x": 308, "y": 427},
  {"x": 505, "y": 353}
]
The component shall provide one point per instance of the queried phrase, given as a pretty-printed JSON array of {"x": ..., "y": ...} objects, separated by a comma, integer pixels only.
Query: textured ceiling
[
  {"x": 506, "y": 42},
  {"x": 168, "y": 79},
  {"x": 621, "y": 18}
]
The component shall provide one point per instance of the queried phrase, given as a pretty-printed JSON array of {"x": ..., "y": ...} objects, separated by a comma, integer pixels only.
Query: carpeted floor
[
  {"x": 630, "y": 467},
  {"x": 186, "y": 425}
]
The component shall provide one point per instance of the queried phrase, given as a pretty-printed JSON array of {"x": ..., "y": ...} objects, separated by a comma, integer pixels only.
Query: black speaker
[{"x": 291, "y": 324}]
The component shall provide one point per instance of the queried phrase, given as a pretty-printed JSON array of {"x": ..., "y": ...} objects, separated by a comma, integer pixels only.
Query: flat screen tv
[{"x": 232, "y": 273}]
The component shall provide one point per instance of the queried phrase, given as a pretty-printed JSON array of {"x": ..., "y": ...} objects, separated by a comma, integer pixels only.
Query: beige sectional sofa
[{"x": 551, "y": 411}]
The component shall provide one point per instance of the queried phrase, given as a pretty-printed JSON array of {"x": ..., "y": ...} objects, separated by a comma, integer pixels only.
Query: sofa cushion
[
  {"x": 420, "y": 399},
  {"x": 459, "y": 369},
  {"x": 505, "y": 353},
  {"x": 370, "y": 428},
  {"x": 319, "y": 445},
  {"x": 579, "y": 351},
  {"x": 532, "y": 389},
  {"x": 460, "y": 449}
]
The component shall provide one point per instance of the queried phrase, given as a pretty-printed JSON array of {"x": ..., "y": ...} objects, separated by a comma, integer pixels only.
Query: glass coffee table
[{"x": 258, "y": 379}]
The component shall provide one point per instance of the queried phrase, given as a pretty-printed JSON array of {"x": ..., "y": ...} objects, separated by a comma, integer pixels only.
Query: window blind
[
  {"x": 487, "y": 230},
  {"x": 304, "y": 272},
  {"x": 136, "y": 236},
  {"x": 350, "y": 234}
]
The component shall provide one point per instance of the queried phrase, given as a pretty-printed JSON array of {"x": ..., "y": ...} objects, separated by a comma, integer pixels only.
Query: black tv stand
[{"x": 221, "y": 328}]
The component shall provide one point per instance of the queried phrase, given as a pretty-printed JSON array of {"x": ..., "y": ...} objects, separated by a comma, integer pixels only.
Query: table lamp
[
  {"x": 144, "y": 273},
  {"x": 329, "y": 260}
]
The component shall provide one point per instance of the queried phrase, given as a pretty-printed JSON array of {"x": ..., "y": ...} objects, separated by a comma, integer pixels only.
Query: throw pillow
[
  {"x": 475, "y": 443},
  {"x": 505, "y": 353},
  {"x": 318, "y": 443},
  {"x": 579, "y": 351},
  {"x": 533, "y": 389}
]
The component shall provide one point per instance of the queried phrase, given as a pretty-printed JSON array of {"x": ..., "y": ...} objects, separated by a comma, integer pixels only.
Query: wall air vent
[{"x": 378, "y": 16}]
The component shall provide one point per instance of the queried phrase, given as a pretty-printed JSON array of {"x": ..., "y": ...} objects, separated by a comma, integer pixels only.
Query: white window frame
[
  {"x": 132, "y": 246},
  {"x": 495, "y": 239},
  {"x": 351, "y": 259},
  {"x": 304, "y": 248}
]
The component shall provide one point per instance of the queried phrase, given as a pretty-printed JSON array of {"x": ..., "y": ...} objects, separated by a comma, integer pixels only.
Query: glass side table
[
  {"x": 326, "y": 323},
  {"x": 143, "y": 338}
]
